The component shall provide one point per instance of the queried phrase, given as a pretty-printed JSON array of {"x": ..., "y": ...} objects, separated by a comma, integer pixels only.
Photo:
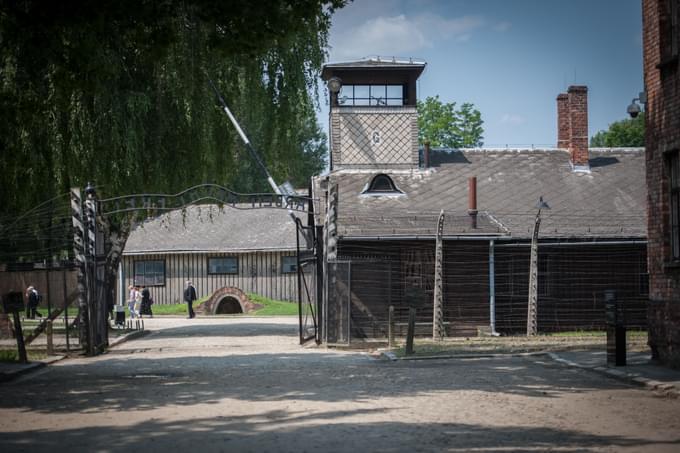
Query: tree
[
  {"x": 443, "y": 125},
  {"x": 117, "y": 93},
  {"x": 624, "y": 133}
]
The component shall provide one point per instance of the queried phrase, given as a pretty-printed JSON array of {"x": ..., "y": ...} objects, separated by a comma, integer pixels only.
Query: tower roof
[{"x": 374, "y": 63}]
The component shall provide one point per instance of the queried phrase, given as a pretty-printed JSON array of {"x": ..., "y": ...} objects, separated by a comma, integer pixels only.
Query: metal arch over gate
[
  {"x": 203, "y": 193},
  {"x": 89, "y": 214}
]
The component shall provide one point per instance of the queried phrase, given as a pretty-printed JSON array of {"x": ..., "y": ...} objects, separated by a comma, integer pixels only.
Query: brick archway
[{"x": 226, "y": 296}]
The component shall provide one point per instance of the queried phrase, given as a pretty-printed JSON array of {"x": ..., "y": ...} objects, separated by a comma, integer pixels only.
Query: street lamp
[
  {"x": 334, "y": 85},
  {"x": 532, "y": 310}
]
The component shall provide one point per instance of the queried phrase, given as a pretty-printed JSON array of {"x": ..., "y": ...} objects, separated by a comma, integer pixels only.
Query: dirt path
[{"x": 245, "y": 385}]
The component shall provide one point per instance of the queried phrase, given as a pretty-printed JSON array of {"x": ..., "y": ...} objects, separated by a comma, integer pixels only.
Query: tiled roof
[
  {"x": 608, "y": 202},
  {"x": 206, "y": 228}
]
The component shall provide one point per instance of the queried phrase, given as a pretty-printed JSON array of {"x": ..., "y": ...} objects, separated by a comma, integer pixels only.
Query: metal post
[
  {"x": 438, "y": 331},
  {"x": 65, "y": 293},
  {"x": 492, "y": 288},
  {"x": 91, "y": 247},
  {"x": 532, "y": 315},
  {"x": 80, "y": 251},
  {"x": 298, "y": 225},
  {"x": 48, "y": 332},
  {"x": 410, "y": 333},
  {"x": 21, "y": 346},
  {"x": 532, "y": 309},
  {"x": 47, "y": 289},
  {"x": 390, "y": 326}
]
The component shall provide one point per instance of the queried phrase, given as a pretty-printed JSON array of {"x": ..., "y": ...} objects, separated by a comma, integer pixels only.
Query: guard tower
[{"x": 373, "y": 119}]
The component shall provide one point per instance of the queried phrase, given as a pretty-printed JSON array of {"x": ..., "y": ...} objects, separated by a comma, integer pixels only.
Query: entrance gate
[{"x": 96, "y": 252}]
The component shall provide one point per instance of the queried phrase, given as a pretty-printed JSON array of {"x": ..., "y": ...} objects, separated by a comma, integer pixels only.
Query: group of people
[{"x": 139, "y": 302}]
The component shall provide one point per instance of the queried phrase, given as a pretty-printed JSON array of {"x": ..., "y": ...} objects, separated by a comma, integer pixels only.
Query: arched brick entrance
[{"x": 229, "y": 300}]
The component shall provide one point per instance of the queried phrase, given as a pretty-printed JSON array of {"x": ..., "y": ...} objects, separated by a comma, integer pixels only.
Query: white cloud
[
  {"x": 502, "y": 26},
  {"x": 399, "y": 35},
  {"x": 512, "y": 118}
]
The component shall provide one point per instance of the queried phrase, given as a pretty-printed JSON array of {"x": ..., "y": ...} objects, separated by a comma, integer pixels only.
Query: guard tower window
[
  {"x": 382, "y": 184},
  {"x": 371, "y": 95}
]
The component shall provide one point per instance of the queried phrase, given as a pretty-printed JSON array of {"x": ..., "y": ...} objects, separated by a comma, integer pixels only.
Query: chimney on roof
[
  {"x": 472, "y": 201},
  {"x": 572, "y": 125},
  {"x": 563, "y": 120}
]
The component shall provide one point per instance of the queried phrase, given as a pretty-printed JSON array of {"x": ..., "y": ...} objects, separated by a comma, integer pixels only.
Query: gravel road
[{"x": 243, "y": 384}]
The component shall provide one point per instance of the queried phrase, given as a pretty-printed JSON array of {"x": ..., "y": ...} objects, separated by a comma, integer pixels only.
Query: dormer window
[
  {"x": 371, "y": 95},
  {"x": 382, "y": 184}
]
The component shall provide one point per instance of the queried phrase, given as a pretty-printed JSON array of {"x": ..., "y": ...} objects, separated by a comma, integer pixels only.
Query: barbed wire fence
[
  {"x": 486, "y": 277},
  {"x": 37, "y": 249}
]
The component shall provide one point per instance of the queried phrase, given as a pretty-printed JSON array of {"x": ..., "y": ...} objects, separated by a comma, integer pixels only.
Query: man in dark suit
[{"x": 190, "y": 297}]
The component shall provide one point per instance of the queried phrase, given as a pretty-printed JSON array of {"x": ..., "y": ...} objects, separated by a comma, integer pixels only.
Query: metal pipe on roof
[
  {"x": 558, "y": 244},
  {"x": 472, "y": 200},
  {"x": 492, "y": 289},
  {"x": 424, "y": 238}
]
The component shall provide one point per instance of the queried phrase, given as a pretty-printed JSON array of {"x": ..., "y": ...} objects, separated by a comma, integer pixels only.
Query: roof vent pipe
[{"x": 472, "y": 200}]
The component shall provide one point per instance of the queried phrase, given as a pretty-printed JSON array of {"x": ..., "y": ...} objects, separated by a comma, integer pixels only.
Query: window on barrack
[
  {"x": 382, "y": 184},
  {"x": 669, "y": 36},
  {"x": 673, "y": 163}
]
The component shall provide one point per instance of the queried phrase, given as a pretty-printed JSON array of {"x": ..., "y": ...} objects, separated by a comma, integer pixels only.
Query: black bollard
[{"x": 616, "y": 329}]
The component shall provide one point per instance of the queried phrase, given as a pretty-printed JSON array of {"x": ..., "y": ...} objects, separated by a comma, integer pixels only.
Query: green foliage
[
  {"x": 624, "y": 133},
  {"x": 177, "y": 309},
  {"x": 443, "y": 125},
  {"x": 117, "y": 93},
  {"x": 273, "y": 307}
]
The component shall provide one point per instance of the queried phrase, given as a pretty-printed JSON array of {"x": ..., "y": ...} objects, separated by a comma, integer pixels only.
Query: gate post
[{"x": 80, "y": 251}]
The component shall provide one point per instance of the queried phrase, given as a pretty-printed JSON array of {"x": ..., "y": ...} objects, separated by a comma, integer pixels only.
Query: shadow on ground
[
  {"x": 128, "y": 382},
  {"x": 328, "y": 431},
  {"x": 240, "y": 329}
]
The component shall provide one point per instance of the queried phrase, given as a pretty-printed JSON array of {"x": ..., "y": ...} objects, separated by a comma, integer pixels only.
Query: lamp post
[
  {"x": 334, "y": 85},
  {"x": 532, "y": 318}
]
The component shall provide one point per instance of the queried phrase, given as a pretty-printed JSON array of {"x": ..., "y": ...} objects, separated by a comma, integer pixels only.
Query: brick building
[{"x": 661, "y": 39}]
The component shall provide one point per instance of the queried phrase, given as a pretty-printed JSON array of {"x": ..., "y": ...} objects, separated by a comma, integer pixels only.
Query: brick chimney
[
  {"x": 572, "y": 125},
  {"x": 563, "y": 120}
]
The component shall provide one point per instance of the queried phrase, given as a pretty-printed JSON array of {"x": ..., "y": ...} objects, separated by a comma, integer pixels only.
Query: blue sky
[{"x": 511, "y": 58}]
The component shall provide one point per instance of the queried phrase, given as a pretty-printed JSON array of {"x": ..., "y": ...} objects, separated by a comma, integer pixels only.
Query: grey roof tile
[
  {"x": 207, "y": 228},
  {"x": 610, "y": 201}
]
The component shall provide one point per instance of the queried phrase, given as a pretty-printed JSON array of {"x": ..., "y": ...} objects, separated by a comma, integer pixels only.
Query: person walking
[
  {"x": 146, "y": 303},
  {"x": 132, "y": 297},
  {"x": 189, "y": 298},
  {"x": 33, "y": 302},
  {"x": 138, "y": 302}
]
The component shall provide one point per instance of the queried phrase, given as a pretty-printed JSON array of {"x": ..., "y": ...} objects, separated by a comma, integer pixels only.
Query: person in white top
[{"x": 132, "y": 298}]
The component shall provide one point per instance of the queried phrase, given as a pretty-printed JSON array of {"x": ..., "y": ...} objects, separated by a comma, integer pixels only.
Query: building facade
[
  {"x": 661, "y": 41},
  {"x": 253, "y": 250},
  {"x": 384, "y": 195}
]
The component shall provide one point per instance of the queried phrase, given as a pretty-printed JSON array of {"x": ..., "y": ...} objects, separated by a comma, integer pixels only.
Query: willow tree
[{"x": 117, "y": 93}]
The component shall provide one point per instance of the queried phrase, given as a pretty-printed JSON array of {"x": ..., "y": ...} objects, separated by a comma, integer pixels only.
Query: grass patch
[
  {"x": 563, "y": 341},
  {"x": 11, "y": 355},
  {"x": 176, "y": 309},
  {"x": 273, "y": 307}
]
